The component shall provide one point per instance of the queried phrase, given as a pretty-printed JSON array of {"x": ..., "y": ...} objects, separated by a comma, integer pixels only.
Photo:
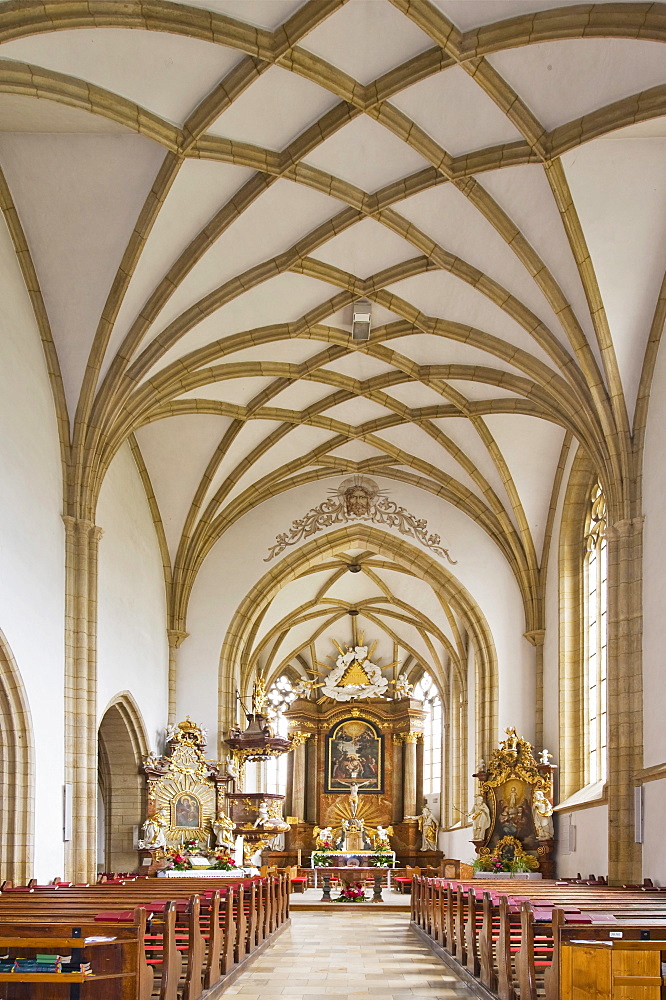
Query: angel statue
[
  {"x": 381, "y": 838},
  {"x": 323, "y": 837},
  {"x": 154, "y": 831}
]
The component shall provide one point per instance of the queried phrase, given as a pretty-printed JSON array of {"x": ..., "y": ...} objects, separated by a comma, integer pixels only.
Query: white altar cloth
[{"x": 210, "y": 873}]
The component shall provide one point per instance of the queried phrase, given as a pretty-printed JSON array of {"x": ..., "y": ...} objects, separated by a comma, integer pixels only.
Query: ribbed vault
[{"x": 198, "y": 193}]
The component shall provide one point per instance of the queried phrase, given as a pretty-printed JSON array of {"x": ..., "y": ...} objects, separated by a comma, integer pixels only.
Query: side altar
[{"x": 512, "y": 816}]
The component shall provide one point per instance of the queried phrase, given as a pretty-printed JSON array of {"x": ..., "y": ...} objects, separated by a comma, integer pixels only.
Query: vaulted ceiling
[{"x": 198, "y": 193}]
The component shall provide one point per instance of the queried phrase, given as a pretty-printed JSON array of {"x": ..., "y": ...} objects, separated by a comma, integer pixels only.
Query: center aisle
[{"x": 329, "y": 955}]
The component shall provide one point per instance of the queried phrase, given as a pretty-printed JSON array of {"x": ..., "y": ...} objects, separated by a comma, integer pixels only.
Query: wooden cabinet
[
  {"x": 115, "y": 954},
  {"x": 612, "y": 970}
]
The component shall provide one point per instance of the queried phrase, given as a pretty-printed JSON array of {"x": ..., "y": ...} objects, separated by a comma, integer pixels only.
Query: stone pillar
[
  {"x": 81, "y": 547},
  {"x": 537, "y": 638},
  {"x": 298, "y": 781},
  {"x": 409, "y": 776},
  {"x": 625, "y": 696},
  {"x": 176, "y": 638}
]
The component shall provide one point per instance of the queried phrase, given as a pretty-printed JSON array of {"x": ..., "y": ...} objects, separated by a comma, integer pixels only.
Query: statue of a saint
[
  {"x": 154, "y": 831},
  {"x": 429, "y": 828},
  {"x": 223, "y": 828},
  {"x": 259, "y": 697},
  {"x": 480, "y": 817},
  {"x": 542, "y": 812}
]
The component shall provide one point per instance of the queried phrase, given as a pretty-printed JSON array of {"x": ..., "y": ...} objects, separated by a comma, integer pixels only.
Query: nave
[{"x": 335, "y": 955}]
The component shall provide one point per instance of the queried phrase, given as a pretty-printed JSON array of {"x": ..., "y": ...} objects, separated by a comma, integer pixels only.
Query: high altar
[{"x": 356, "y": 771}]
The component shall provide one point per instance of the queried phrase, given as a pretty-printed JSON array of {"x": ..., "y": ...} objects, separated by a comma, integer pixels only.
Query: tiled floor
[
  {"x": 336, "y": 956},
  {"x": 312, "y": 897}
]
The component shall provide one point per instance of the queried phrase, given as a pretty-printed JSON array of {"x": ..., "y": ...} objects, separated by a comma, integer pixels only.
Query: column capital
[
  {"x": 626, "y": 527},
  {"x": 536, "y": 636},
  {"x": 176, "y": 637},
  {"x": 82, "y": 525}
]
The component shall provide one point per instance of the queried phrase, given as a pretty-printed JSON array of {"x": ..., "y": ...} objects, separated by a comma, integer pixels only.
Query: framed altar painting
[
  {"x": 512, "y": 813},
  {"x": 354, "y": 753},
  {"x": 186, "y": 812}
]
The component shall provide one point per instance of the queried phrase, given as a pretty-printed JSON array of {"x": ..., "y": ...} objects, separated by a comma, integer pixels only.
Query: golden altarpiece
[
  {"x": 512, "y": 815},
  {"x": 371, "y": 750},
  {"x": 186, "y": 793}
]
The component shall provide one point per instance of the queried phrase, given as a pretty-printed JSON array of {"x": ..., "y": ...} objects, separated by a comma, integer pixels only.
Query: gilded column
[
  {"x": 409, "y": 776},
  {"x": 81, "y": 548},
  {"x": 176, "y": 638},
  {"x": 625, "y": 696}
]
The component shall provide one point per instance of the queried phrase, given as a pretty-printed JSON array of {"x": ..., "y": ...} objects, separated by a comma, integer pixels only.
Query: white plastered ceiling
[{"x": 197, "y": 278}]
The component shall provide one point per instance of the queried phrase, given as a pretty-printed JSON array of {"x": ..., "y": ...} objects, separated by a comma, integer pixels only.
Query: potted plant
[{"x": 322, "y": 859}]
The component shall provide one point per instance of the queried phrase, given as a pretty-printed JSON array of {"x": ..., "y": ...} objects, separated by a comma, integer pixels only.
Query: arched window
[
  {"x": 595, "y": 601},
  {"x": 280, "y": 697},
  {"x": 426, "y": 691}
]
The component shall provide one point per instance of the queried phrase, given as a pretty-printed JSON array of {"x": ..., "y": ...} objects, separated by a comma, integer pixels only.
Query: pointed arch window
[
  {"x": 280, "y": 697},
  {"x": 427, "y": 692},
  {"x": 596, "y": 634}
]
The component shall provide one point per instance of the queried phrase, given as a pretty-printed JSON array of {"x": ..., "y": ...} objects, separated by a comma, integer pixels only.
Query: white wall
[
  {"x": 32, "y": 547},
  {"x": 132, "y": 652},
  {"x": 654, "y": 635},
  {"x": 591, "y": 840},
  {"x": 233, "y": 567}
]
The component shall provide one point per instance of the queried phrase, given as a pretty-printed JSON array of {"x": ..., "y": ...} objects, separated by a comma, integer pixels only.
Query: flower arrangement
[
  {"x": 352, "y": 893},
  {"x": 191, "y": 847},
  {"x": 222, "y": 861},
  {"x": 322, "y": 859},
  {"x": 179, "y": 862},
  {"x": 379, "y": 859}
]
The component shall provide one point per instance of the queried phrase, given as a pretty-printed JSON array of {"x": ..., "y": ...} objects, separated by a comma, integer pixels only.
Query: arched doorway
[
  {"x": 121, "y": 801},
  {"x": 16, "y": 772}
]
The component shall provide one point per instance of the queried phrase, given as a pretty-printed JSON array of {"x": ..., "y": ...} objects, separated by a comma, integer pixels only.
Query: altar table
[
  {"x": 363, "y": 872},
  {"x": 209, "y": 873}
]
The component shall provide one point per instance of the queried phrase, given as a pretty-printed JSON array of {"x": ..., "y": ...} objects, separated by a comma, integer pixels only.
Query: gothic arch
[
  {"x": 16, "y": 772},
  {"x": 122, "y": 747},
  {"x": 234, "y": 653}
]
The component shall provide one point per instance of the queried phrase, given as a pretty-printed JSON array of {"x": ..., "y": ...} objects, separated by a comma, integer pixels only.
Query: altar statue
[
  {"x": 353, "y": 795},
  {"x": 480, "y": 817},
  {"x": 542, "y": 812},
  {"x": 154, "y": 831},
  {"x": 382, "y": 841},
  {"x": 223, "y": 828},
  {"x": 429, "y": 828},
  {"x": 323, "y": 837}
]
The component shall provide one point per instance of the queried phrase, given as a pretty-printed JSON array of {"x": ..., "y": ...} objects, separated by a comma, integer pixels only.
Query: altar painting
[
  {"x": 513, "y": 814},
  {"x": 186, "y": 812},
  {"x": 354, "y": 753}
]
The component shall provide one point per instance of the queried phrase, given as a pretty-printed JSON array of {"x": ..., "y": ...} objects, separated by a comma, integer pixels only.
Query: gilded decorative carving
[
  {"x": 182, "y": 790},
  {"x": 514, "y": 759},
  {"x": 407, "y": 737},
  {"x": 360, "y": 499}
]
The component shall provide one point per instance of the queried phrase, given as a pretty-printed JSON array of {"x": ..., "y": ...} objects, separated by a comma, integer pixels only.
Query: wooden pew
[
  {"x": 509, "y": 938},
  {"x": 213, "y": 935}
]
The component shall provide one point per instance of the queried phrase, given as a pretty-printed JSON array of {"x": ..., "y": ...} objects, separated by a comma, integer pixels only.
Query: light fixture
[{"x": 361, "y": 317}]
